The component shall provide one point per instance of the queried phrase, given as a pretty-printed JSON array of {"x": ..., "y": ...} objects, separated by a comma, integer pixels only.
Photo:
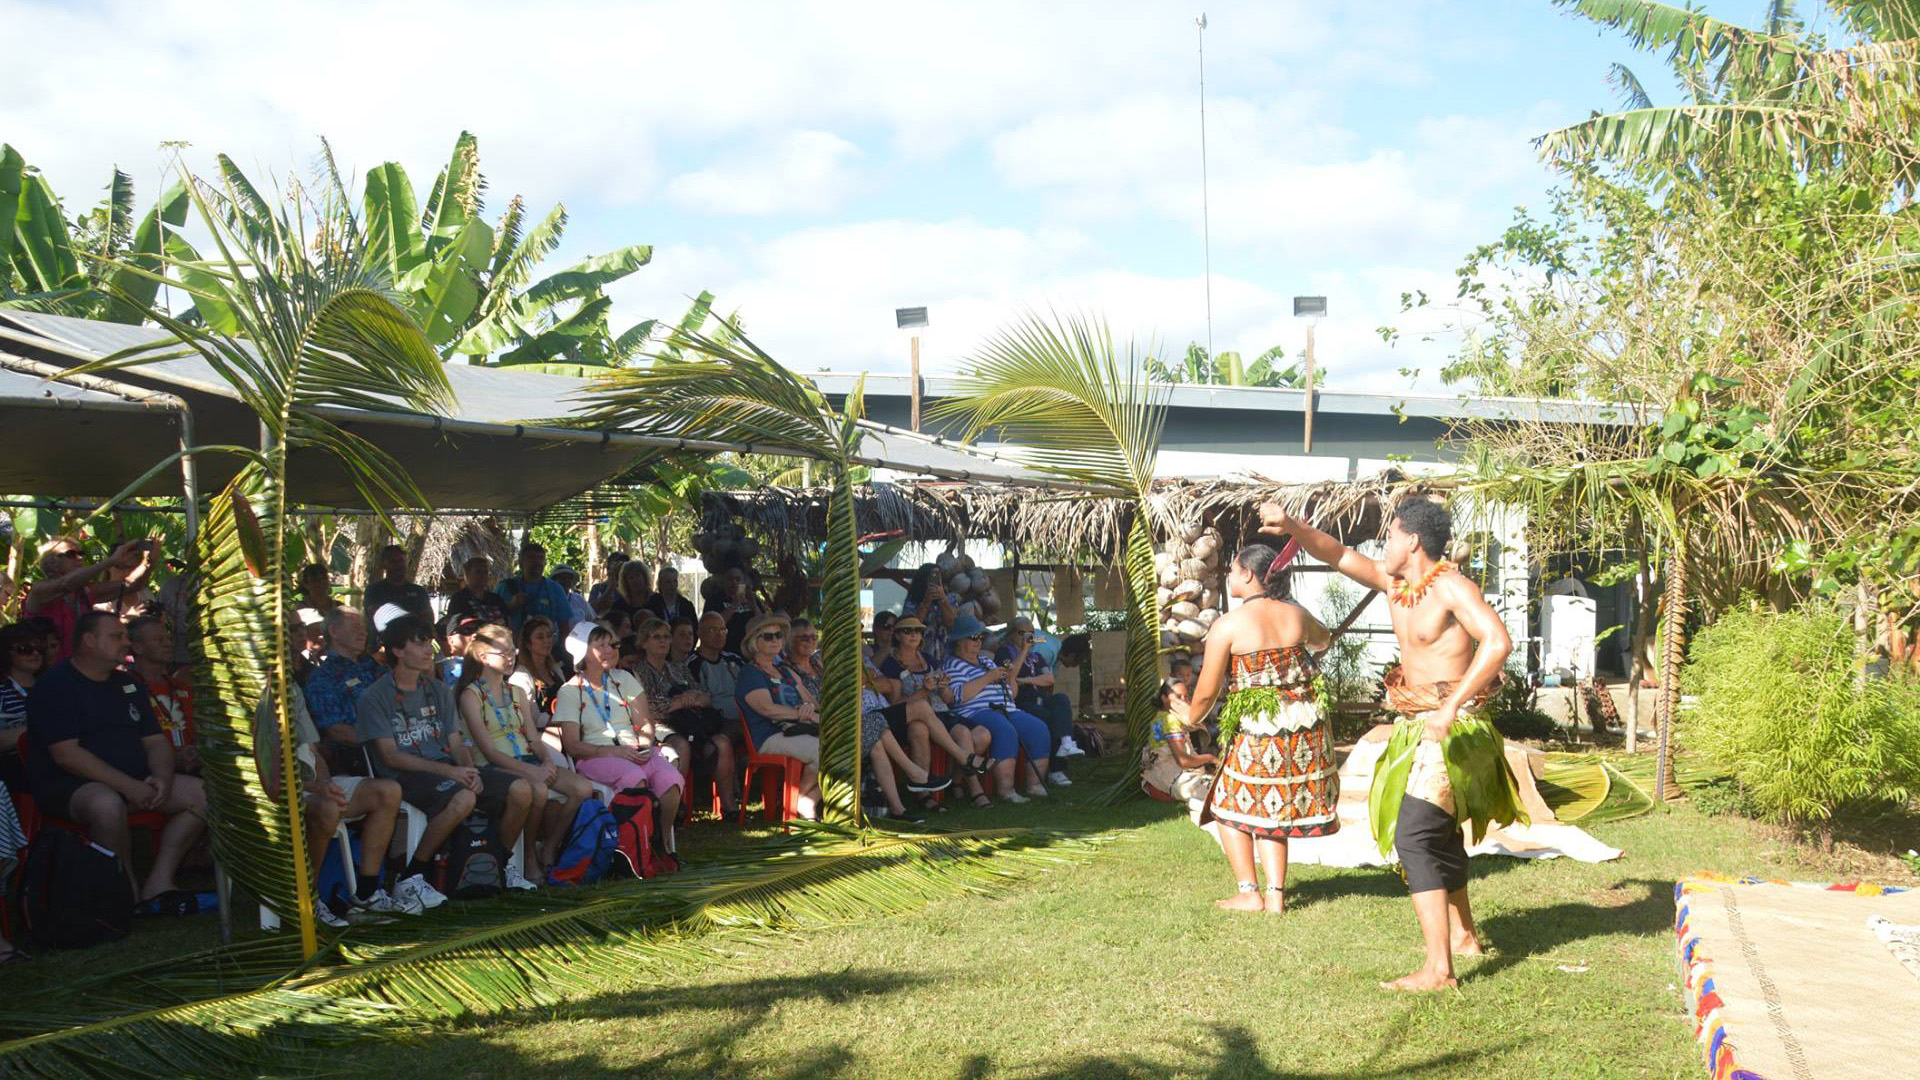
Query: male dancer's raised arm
[{"x": 1277, "y": 522}]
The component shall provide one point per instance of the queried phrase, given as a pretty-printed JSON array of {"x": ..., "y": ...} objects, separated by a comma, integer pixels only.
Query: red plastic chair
[
  {"x": 31, "y": 819},
  {"x": 779, "y": 780}
]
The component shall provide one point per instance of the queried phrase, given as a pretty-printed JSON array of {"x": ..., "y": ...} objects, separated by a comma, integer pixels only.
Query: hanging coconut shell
[
  {"x": 1207, "y": 616},
  {"x": 1168, "y": 639},
  {"x": 748, "y": 549},
  {"x": 1170, "y": 577},
  {"x": 1209, "y": 598},
  {"x": 1187, "y": 590},
  {"x": 1163, "y": 596},
  {"x": 1193, "y": 530},
  {"x": 1184, "y": 609},
  {"x": 963, "y": 561},
  {"x": 1207, "y": 547},
  {"x": 1194, "y": 568},
  {"x": 990, "y": 604},
  {"x": 1179, "y": 548},
  {"x": 945, "y": 563},
  {"x": 1191, "y": 630}
]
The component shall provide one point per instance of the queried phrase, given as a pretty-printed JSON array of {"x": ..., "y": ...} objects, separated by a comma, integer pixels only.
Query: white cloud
[{"x": 802, "y": 172}]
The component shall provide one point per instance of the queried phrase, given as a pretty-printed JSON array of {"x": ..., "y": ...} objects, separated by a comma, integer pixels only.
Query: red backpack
[{"x": 639, "y": 852}]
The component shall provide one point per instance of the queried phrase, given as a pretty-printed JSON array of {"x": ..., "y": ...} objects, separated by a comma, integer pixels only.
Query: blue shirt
[
  {"x": 959, "y": 673},
  {"x": 785, "y": 692},
  {"x": 333, "y": 690},
  {"x": 544, "y": 597}
]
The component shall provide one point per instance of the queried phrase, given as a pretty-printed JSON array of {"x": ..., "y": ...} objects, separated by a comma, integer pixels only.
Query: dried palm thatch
[{"x": 1067, "y": 526}]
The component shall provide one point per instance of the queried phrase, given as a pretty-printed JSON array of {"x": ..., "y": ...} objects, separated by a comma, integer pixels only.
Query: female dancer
[
  {"x": 499, "y": 720},
  {"x": 1278, "y": 778}
]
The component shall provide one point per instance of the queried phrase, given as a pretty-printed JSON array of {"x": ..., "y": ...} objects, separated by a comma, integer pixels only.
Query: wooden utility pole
[
  {"x": 915, "y": 376},
  {"x": 1308, "y": 416}
]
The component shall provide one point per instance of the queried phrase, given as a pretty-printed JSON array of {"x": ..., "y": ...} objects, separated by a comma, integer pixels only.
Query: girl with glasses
[{"x": 499, "y": 719}]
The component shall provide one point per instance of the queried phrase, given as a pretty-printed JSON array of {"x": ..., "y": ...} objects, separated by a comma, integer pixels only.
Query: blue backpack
[{"x": 589, "y": 849}]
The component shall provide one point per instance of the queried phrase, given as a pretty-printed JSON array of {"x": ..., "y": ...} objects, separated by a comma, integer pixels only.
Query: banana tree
[
  {"x": 312, "y": 325},
  {"x": 1087, "y": 413},
  {"x": 725, "y": 389},
  {"x": 472, "y": 285},
  {"x": 103, "y": 273}
]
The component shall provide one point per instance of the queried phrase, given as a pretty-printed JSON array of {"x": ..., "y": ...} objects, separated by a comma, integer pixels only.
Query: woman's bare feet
[
  {"x": 1241, "y": 901},
  {"x": 1467, "y": 945},
  {"x": 1421, "y": 981},
  {"x": 1273, "y": 901}
]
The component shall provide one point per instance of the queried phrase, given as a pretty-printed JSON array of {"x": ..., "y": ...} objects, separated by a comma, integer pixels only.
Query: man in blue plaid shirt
[{"x": 333, "y": 690}]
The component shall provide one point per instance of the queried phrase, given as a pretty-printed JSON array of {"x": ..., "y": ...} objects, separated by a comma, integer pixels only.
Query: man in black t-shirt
[
  {"x": 476, "y": 596},
  {"x": 394, "y": 587},
  {"x": 97, "y": 753}
]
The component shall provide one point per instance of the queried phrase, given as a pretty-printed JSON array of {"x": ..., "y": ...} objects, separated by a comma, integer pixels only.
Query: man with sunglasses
[
  {"x": 715, "y": 669},
  {"x": 63, "y": 593}
]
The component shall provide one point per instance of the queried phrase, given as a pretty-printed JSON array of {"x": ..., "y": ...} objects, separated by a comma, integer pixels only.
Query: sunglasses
[
  {"x": 909, "y": 633},
  {"x": 27, "y": 650},
  {"x": 974, "y": 637},
  {"x": 772, "y": 635}
]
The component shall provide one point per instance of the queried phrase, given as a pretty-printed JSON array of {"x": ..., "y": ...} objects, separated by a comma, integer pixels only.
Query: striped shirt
[{"x": 959, "y": 673}]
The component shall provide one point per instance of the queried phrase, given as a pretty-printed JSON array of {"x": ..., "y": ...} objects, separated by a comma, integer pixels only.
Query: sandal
[
  {"x": 983, "y": 800},
  {"x": 983, "y": 768}
]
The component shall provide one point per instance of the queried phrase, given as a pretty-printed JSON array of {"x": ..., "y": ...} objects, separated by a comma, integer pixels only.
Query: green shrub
[
  {"x": 1782, "y": 709},
  {"x": 1515, "y": 710}
]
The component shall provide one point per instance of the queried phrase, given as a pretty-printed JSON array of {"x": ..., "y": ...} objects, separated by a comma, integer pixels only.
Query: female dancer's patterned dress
[{"x": 1279, "y": 778}]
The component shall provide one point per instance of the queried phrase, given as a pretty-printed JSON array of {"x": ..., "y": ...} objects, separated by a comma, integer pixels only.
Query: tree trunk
[
  {"x": 589, "y": 574},
  {"x": 1665, "y": 783},
  {"x": 1643, "y": 610}
]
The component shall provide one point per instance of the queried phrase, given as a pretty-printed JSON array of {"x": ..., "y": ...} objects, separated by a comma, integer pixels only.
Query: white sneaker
[
  {"x": 1015, "y": 797},
  {"x": 384, "y": 903},
  {"x": 1058, "y": 779},
  {"x": 1037, "y": 793},
  {"x": 517, "y": 880},
  {"x": 415, "y": 891},
  {"x": 1069, "y": 748},
  {"x": 325, "y": 914}
]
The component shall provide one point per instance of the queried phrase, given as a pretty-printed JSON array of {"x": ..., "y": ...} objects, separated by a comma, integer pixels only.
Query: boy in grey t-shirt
[{"x": 408, "y": 722}]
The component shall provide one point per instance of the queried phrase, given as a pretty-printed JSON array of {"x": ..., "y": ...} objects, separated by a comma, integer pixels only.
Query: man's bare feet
[
  {"x": 1468, "y": 945},
  {"x": 1421, "y": 981},
  {"x": 1274, "y": 901},
  {"x": 1246, "y": 901}
]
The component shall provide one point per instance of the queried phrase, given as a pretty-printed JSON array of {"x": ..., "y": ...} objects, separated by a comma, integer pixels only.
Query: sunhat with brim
[
  {"x": 964, "y": 627},
  {"x": 760, "y": 623},
  {"x": 908, "y": 623}
]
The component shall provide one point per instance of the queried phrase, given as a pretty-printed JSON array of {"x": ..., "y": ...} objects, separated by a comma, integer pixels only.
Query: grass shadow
[
  {"x": 1379, "y": 881},
  {"x": 1541, "y": 931}
]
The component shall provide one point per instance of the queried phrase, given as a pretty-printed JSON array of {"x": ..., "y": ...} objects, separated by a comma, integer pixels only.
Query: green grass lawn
[{"x": 1119, "y": 966}]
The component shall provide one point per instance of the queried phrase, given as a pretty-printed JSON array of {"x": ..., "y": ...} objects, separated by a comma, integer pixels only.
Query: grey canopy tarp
[{"x": 495, "y": 450}]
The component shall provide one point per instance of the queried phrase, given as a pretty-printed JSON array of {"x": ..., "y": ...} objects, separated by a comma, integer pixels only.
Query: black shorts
[
  {"x": 897, "y": 721},
  {"x": 1430, "y": 847},
  {"x": 431, "y": 793},
  {"x": 54, "y": 796}
]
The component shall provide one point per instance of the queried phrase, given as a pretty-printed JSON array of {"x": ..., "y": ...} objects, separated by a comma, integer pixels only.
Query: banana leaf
[{"x": 1485, "y": 792}]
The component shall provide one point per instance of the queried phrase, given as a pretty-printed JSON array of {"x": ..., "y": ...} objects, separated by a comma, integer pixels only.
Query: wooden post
[
  {"x": 915, "y": 378},
  {"x": 1307, "y": 416}
]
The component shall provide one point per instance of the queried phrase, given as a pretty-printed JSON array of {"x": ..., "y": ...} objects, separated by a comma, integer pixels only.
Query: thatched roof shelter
[{"x": 1042, "y": 524}]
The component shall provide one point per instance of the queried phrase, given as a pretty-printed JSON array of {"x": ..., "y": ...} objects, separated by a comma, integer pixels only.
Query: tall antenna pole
[{"x": 1206, "y": 222}]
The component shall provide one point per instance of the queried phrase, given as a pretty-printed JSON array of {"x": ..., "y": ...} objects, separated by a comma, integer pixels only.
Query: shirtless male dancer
[{"x": 1439, "y": 616}]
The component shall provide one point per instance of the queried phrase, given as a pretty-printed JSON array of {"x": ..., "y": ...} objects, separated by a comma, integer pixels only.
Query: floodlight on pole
[
  {"x": 912, "y": 318},
  {"x": 1311, "y": 308}
]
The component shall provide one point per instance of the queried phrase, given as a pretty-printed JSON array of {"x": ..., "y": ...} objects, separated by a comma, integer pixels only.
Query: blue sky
[{"x": 818, "y": 164}]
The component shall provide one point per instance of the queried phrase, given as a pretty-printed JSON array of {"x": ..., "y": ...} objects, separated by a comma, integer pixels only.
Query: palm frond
[
  {"x": 1085, "y": 409},
  {"x": 1625, "y": 83}
]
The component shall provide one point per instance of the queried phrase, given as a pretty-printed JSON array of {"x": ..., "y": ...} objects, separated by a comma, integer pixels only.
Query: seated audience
[
  {"x": 921, "y": 687},
  {"x": 64, "y": 592},
  {"x": 397, "y": 588},
  {"x": 983, "y": 693},
  {"x": 634, "y": 589},
  {"x": 684, "y": 713},
  {"x": 604, "y": 727},
  {"x": 876, "y": 652},
  {"x": 780, "y": 714},
  {"x": 499, "y": 720},
  {"x": 883, "y": 752},
  {"x": 600, "y": 597},
  {"x": 459, "y": 631},
  {"x": 540, "y": 670},
  {"x": 803, "y": 655},
  {"x": 97, "y": 753},
  {"x": 531, "y": 593},
  {"x": 569, "y": 579},
  {"x": 23, "y": 647},
  {"x": 1034, "y": 693},
  {"x": 666, "y": 603},
  {"x": 928, "y": 602},
  {"x": 415, "y": 735},
  {"x": 316, "y": 588},
  {"x": 334, "y": 689},
  {"x": 168, "y": 688},
  {"x": 309, "y": 643},
  {"x": 681, "y": 650},
  {"x": 716, "y": 669},
  {"x": 327, "y": 801},
  {"x": 476, "y": 597}
]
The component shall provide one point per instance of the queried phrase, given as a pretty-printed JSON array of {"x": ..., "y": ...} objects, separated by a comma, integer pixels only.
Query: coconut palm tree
[
  {"x": 313, "y": 323},
  {"x": 723, "y": 388},
  {"x": 1087, "y": 412}
]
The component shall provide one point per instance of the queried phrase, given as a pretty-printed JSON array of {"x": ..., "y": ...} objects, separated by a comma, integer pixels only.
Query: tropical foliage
[
  {"x": 1227, "y": 369},
  {"x": 97, "y": 266},
  {"x": 1084, "y": 411},
  {"x": 1783, "y": 710},
  {"x": 723, "y": 388},
  {"x": 1737, "y": 274},
  {"x": 312, "y": 325}
]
